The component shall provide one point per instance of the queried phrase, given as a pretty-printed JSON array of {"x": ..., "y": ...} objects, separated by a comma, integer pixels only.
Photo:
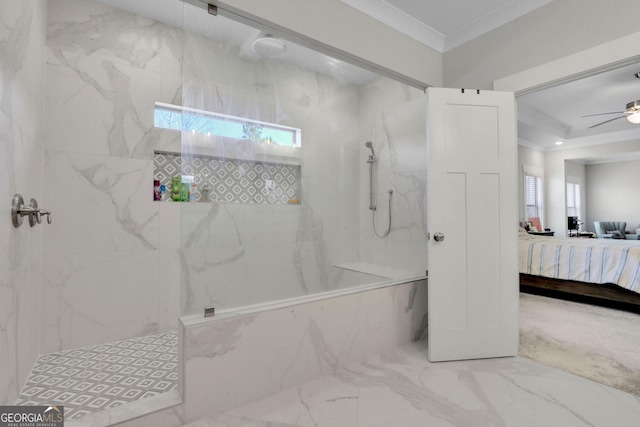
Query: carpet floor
[{"x": 597, "y": 343}]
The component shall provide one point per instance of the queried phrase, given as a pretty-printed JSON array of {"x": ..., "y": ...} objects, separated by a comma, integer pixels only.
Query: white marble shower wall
[
  {"x": 241, "y": 254},
  {"x": 237, "y": 358},
  {"x": 236, "y": 255},
  {"x": 110, "y": 258},
  {"x": 114, "y": 260},
  {"x": 22, "y": 43},
  {"x": 393, "y": 116}
]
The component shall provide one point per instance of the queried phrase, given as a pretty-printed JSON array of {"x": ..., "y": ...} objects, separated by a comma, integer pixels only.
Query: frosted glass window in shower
[{"x": 169, "y": 116}]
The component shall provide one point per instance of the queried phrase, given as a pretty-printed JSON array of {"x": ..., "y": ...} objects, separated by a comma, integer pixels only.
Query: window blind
[{"x": 533, "y": 194}]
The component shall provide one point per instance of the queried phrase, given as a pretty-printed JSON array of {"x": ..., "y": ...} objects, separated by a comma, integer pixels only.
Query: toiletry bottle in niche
[
  {"x": 193, "y": 192},
  {"x": 176, "y": 188},
  {"x": 156, "y": 189},
  {"x": 163, "y": 193},
  {"x": 204, "y": 193},
  {"x": 185, "y": 191}
]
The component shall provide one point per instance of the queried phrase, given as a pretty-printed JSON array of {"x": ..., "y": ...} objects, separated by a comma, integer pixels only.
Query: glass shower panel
[{"x": 272, "y": 174}]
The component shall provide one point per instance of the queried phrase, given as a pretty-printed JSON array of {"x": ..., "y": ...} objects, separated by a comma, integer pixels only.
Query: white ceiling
[
  {"x": 556, "y": 113},
  {"x": 444, "y": 25},
  {"x": 544, "y": 117}
]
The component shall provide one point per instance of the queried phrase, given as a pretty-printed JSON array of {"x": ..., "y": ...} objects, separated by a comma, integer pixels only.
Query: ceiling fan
[{"x": 632, "y": 113}]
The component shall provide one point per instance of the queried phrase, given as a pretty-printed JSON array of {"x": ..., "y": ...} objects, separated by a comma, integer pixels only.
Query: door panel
[{"x": 472, "y": 200}]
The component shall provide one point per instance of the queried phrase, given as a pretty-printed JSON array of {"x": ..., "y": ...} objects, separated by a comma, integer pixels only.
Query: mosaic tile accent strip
[
  {"x": 99, "y": 377},
  {"x": 231, "y": 180}
]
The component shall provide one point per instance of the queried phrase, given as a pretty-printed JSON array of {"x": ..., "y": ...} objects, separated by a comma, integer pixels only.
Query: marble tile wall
[
  {"x": 22, "y": 48},
  {"x": 229, "y": 250},
  {"x": 110, "y": 259},
  {"x": 393, "y": 116},
  {"x": 113, "y": 259},
  {"x": 237, "y": 359}
]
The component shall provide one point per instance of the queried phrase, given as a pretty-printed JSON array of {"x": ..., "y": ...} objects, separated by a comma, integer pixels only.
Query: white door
[{"x": 472, "y": 220}]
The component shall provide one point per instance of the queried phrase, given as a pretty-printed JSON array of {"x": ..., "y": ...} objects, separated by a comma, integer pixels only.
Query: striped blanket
[{"x": 582, "y": 260}]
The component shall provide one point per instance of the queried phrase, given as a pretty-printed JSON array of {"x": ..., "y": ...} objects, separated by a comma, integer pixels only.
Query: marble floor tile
[{"x": 403, "y": 389}]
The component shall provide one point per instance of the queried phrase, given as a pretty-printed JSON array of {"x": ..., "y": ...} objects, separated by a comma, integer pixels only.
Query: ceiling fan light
[{"x": 634, "y": 118}]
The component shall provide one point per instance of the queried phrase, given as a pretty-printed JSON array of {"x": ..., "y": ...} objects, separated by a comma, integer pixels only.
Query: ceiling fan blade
[
  {"x": 606, "y": 121},
  {"x": 602, "y": 114}
]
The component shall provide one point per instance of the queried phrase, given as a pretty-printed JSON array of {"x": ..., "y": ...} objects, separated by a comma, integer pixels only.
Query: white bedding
[{"x": 582, "y": 260}]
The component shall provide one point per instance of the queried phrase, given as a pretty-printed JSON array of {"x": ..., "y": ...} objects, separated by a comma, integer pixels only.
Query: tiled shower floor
[{"x": 104, "y": 376}]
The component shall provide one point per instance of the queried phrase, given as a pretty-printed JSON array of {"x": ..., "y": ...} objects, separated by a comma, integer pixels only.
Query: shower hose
[{"x": 374, "y": 219}]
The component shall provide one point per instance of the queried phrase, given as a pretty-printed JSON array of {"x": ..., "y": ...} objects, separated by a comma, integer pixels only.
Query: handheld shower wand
[
  {"x": 372, "y": 193},
  {"x": 372, "y": 156}
]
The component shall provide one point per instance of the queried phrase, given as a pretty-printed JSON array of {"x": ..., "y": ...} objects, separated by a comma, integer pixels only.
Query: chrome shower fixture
[
  {"x": 372, "y": 156},
  {"x": 269, "y": 46},
  {"x": 371, "y": 160}
]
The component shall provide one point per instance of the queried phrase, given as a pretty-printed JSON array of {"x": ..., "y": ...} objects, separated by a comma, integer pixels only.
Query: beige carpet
[{"x": 597, "y": 343}]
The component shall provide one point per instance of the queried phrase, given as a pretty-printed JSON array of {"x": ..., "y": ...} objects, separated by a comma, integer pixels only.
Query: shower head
[
  {"x": 369, "y": 145},
  {"x": 269, "y": 46}
]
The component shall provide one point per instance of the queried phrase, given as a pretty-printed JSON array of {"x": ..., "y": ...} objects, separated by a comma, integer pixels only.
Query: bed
[{"x": 601, "y": 271}]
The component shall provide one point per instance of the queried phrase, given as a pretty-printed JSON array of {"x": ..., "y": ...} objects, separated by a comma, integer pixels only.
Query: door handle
[{"x": 438, "y": 237}]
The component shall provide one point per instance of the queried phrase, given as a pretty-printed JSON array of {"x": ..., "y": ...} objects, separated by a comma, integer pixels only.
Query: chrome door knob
[{"x": 439, "y": 237}]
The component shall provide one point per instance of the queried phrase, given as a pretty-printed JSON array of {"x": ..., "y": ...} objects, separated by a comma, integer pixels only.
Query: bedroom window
[
  {"x": 533, "y": 193},
  {"x": 573, "y": 199}
]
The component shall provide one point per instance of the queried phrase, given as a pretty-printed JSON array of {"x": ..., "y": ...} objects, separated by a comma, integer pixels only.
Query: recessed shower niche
[{"x": 225, "y": 180}]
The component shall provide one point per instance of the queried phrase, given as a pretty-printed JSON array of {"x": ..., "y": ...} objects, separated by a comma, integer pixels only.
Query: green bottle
[
  {"x": 185, "y": 191},
  {"x": 176, "y": 188}
]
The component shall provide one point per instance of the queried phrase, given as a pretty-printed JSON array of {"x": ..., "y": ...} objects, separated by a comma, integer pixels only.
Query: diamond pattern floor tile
[{"x": 103, "y": 376}]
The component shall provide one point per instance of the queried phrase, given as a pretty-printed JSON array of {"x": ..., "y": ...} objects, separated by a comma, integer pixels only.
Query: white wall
[
  {"x": 555, "y": 177},
  {"x": 613, "y": 193},
  {"x": 22, "y": 42}
]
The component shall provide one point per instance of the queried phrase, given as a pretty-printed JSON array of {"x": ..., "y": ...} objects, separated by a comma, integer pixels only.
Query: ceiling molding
[
  {"x": 491, "y": 21},
  {"x": 534, "y": 117},
  {"x": 401, "y": 21},
  {"x": 420, "y": 31}
]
